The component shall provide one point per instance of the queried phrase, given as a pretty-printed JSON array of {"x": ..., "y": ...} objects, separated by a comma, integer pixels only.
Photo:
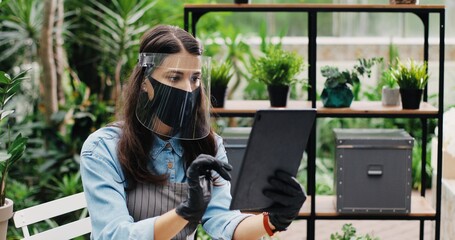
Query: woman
[{"x": 161, "y": 170}]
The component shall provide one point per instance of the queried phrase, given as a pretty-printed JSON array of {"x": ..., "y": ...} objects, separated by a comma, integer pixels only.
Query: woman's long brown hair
[{"x": 136, "y": 141}]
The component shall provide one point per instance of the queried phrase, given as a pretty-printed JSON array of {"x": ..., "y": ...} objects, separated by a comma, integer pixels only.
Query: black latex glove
[
  {"x": 199, "y": 192},
  {"x": 288, "y": 197}
]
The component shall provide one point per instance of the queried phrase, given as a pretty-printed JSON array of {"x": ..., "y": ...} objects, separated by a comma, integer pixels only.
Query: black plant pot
[
  {"x": 278, "y": 95},
  {"x": 242, "y": 1},
  {"x": 218, "y": 95},
  {"x": 410, "y": 98}
]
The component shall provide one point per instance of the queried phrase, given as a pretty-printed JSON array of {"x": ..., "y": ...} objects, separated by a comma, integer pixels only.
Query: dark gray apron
[{"x": 150, "y": 200}]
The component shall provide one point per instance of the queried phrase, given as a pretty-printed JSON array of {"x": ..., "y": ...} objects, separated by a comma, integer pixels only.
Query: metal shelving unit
[{"x": 321, "y": 207}]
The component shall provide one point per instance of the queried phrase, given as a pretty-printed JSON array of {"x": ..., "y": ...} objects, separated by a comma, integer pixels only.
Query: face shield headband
[{"x": 173, "y": 101}]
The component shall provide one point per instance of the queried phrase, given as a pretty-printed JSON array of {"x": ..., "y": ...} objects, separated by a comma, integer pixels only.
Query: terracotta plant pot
[
  {"x": 278, "y": 95},
  {"x": 6, "y": 212}
]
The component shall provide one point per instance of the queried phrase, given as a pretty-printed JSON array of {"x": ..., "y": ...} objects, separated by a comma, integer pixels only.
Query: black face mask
[{"x": 179, "y": 108}]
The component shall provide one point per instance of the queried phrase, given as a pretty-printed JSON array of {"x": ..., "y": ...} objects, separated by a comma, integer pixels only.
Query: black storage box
[
  {"x": 235, "y": 141},
  {"x": 373, "y": 171},
  {"x": 235, "y": 150}
]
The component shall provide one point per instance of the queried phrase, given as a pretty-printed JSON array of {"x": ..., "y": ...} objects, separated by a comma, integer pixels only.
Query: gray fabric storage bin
[{"x": 373, "y": 171}]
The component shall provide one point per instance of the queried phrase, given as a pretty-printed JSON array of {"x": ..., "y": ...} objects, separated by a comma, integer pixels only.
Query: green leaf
[
  {"x": 4, "y": 78},
  {"x": 14, "y": 85},
  {"x": 140, "y": 12},
  {"x": 106, "y": 10},
  {"x": 5, "y": 113},
  {"x": 21, "y": 76},
  {"x": 17, "y": 148}
]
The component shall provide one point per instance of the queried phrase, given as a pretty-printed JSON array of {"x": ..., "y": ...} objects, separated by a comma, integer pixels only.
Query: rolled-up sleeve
[
  {"x": 103, "y": 183},
  {"x": 218, "y": 221}
]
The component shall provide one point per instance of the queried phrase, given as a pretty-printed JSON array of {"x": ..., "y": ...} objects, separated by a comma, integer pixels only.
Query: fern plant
[
  {"x": 220, "y": 73},
  {"x": 412, "y": 75},
  {"x": 387, "y": 78},
  {"x": 277, "y": 67}
]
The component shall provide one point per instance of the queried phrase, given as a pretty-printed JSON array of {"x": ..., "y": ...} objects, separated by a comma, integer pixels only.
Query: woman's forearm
[
  {"x": 168, "y": 225},
  {"x": 251, "y": 228}
]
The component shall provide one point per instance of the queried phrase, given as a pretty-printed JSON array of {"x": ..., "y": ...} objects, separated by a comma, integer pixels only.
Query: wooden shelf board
[
  {"x": 361, "y": 7},
  {"x": 325, "y": 207},
  {"x": 357, "y": 107},
  {"x": 363, "y": 107},
  {"x": 420, "y": 207},
  {"x": 306, "y": 208}
]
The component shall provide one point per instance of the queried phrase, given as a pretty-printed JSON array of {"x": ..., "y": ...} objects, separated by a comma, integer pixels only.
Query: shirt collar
[{"x": 159, "y": 144}]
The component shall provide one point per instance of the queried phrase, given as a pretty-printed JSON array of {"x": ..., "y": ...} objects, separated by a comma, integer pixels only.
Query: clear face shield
[{"x": 174, "y": 98}]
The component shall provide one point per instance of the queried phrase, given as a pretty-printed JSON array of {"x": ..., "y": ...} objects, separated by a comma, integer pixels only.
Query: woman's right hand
[
  {"x": 288, "y": 196},
  {"x": 199, "y": 192}
]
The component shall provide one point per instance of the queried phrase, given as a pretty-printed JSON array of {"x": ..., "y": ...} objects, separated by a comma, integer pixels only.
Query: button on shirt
[
  {"x": 104, "y": 188},
  {"x": 167, "y": 159}
]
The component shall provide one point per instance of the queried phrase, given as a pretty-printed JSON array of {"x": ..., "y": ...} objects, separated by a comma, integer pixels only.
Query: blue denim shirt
[{"x": 104, "y": 188}]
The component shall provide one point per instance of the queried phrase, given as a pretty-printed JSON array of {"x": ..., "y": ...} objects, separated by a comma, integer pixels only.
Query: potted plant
[
  {"x": 11, "y": 148},
  {"x": 390, "y": 90},
  {"x": 412, "y": 79},
  {"x": 278, "y": 69},
  {"x": 220, "y": 75},
  {"x": 350, "y": 232},
  {"x": 336, "y": 92}
]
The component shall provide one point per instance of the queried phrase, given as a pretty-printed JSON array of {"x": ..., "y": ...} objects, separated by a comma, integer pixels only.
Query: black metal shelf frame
[
  {"x": 193, "y": 12},
  {"x": 370, "y": 217}
]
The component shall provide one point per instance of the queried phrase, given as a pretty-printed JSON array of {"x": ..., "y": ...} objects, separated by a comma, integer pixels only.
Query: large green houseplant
[
  {"x": 220, "y": 75},
  {"x": 278, "y": 69},
  {"x": 412, "y": 79},
  {"x": 11, "y": 148},
  {"x": 336, "y": 92}
]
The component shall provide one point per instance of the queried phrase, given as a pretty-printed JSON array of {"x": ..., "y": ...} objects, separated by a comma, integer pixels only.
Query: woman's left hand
[
  {"x": 288, "y": 196},
  {"x": 199, "y": 173}
]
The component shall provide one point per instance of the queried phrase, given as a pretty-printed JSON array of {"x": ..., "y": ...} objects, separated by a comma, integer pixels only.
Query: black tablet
[{"x": 277, "y": 141}]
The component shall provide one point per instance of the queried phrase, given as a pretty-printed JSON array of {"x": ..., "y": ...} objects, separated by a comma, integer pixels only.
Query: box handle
[
  {"x": 374, "y": 170},
  {"x": 375, "y": 146},
  {"x": 235, "y": 145}
]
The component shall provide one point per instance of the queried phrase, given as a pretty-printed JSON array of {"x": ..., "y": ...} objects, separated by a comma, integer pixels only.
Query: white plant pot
[
  {"x": 6, "y": 212},
  {"x": 391, "y": 97}
]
